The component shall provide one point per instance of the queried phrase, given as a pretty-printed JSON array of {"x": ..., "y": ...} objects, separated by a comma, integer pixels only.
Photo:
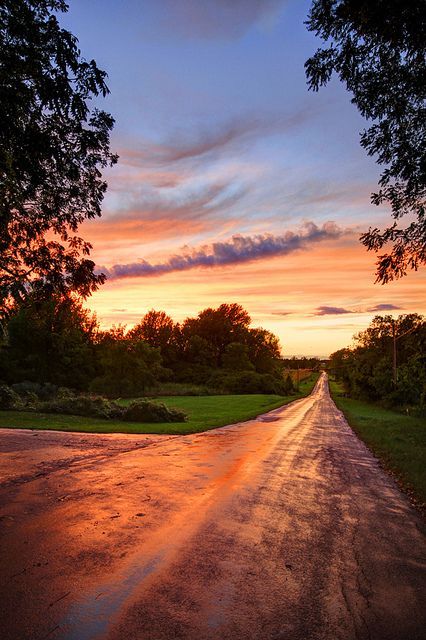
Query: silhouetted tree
[
  {"x": 158, "y": 330},
  {"x": 388, "y": 362},
  {"x": 228, "y": 323},
  {"x": 51, "y": 341},
  {"x": 128, "y": 365},
  {"x": 52, "y": 148},
  {"x": 378, "y": 49},
  {"x": 264, "y": 350}
]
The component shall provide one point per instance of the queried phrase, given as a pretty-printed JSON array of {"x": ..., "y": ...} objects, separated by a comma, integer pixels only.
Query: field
[
  {"x": 399, "y": 441},
  {"x": 205, "y": 412}
]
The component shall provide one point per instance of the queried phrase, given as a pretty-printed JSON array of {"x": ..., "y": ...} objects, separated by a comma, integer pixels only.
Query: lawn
[
  {"x": 205, "y": 412},
  {"x": 399, "y": 441}
]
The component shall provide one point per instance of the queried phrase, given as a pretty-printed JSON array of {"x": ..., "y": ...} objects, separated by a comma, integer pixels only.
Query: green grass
[
  {"x": 399, "y": 441},
  {"x": 205, "y": 412}
]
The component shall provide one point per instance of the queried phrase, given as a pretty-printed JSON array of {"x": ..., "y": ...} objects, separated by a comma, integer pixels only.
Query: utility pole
[{"x": 394, "y": 368}]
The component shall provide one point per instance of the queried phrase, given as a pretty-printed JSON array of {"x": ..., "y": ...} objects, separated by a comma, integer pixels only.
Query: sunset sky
[{"x": 234, "y": 184}]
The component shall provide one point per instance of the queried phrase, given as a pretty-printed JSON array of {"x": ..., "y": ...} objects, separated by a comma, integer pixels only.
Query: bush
[
  {"x": 147, "y": 411},
  {"x": 64, "y": 392},
  {"x": 9, "y": 399},
  {"x": 88, "y": 406},
  {"x": 248, "y": 382},
  {"x": 181, "y": 389},
  {"x": 30, "y": 401},
  {"x": 46, "y": 391}
]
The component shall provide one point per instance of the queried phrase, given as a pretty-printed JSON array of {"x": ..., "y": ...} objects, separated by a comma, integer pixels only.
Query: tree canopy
[
  {"x": 378, "y": 49},
  {"x": 53, "y": 146},
  {"x": 387, "y": 363}
]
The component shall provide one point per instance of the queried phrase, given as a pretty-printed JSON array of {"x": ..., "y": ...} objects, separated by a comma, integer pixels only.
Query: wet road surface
[{"x": 284, "y": 527}]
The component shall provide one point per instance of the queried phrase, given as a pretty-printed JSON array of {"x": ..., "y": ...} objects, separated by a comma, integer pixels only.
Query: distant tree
[
  {"x": 378, "y": 49},
  {"x": 303, "y": 362},
  {"x": 219, "y": 327},
  {"x": 263, "y": 349},
  {"x": 158, "y": 330},
  {"x": 338, "y": 363},
  {"x": 53, "y": 146}
]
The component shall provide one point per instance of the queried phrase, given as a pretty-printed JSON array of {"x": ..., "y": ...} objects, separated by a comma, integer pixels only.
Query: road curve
[{"x": 284, "y": 527}]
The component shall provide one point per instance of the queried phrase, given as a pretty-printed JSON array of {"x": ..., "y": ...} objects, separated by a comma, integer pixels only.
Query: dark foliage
[
  {"x": 54, "y": 345},
  {"x": 388, "y": 363},
  {"x": 250, "y": 382},
  {"x": 53, "y": 146},
  {"x": 128, "y": 365},
  {"x": 147, "y": 411},
  {"x": 46, "y": 391},
  {"x": 378, "y": 49},
  {"x": 9, "y": 399},
  {"x": 50, "y": 341},
  {"x": 302, "y": 363},
  {"x": 89, "y": 406}
]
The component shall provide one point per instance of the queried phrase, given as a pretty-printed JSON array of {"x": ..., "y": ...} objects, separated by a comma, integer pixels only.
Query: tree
[
  {"x": 158, "y": 330},
  {"x": 52, "y": 149},
  {"x": 228, "y": 323},
  {"x": 387, "y": 363},
  {"x": 236, "y": 357},
  {"x": 50, "y": 341},
  {"x": 128, "y": 365},
  {"x": 264, "y": 350},
  {"x": 378, "y": 49}
]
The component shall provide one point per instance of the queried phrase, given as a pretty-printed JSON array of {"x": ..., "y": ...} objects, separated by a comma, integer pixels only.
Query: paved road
[{"x": 283, "y": 527}]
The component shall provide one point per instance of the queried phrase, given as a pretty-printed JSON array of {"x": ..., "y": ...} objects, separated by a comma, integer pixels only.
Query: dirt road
[{"x": 283, "y": 527}]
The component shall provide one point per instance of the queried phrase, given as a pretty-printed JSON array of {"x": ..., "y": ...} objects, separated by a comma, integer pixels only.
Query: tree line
[
  {"x": 57, "y": 341},
  {"x": 387, "y": 363}
]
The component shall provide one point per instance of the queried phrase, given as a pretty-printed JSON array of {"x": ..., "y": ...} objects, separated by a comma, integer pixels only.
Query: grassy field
[
  {"x": 399, "y": 441},
  {"x": 205, "y": 412}
]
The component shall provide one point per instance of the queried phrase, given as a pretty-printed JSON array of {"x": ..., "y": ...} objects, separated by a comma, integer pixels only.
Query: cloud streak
[
  {"x": 337, "y": 311},
  {"x": 383, "y": 307},
  {"x": 237, "y": 250},
  {"x": 331, "y": 311},
  {"x": 228, "y": 136}
]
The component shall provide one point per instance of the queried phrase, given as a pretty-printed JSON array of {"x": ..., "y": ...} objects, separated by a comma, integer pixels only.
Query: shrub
[
  {"x": 248, "y": 382},
  {"x": 147, "y": 411},
  {"x": 46, "y": 391},
  {"x": 181, "y": 389},
  {"x": 64, "y": 392},
  {"x": 30, "y": 401},
  {"x": 9, "y": 399},
  {"x": 89, "y": 406}
]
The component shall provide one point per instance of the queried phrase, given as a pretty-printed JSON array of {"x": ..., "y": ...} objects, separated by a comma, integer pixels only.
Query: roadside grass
[
  {"x": 399, "y": 441},
  {"x": 204, "y": 412}
]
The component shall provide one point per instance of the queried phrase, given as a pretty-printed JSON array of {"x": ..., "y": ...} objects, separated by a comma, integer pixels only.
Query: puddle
[{"x": 89, "y": 619}]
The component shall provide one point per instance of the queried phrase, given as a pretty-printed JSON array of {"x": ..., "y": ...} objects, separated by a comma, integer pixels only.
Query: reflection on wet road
[{"x": 281, "y": 527}]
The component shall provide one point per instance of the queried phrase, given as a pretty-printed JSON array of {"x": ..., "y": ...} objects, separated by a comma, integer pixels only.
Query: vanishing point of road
[{"x": 284, "y": 527}]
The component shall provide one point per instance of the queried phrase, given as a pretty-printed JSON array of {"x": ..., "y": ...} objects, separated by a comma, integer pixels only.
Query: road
[{"x": 284, "y": 527}]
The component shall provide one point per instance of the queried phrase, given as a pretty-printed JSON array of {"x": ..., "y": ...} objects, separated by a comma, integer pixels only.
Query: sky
[{"x": 234, "y": 183}]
